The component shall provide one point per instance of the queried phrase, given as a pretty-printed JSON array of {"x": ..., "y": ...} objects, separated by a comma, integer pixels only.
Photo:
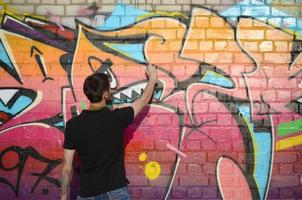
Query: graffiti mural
[{"x": 224, "y": 122}]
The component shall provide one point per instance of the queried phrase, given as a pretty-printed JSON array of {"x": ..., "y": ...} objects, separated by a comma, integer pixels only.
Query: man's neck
[{"x": 97, "y": 106}]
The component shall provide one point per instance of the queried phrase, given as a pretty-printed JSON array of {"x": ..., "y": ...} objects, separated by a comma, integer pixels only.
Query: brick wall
[{"x": 225, "y": 120}]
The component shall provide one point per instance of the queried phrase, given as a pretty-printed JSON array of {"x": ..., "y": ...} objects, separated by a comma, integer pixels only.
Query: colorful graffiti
[{"x": 225, "y": 111}]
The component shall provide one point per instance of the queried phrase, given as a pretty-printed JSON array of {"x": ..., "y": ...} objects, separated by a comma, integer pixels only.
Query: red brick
[
  {"x": 272, "y": 193},
  {"x": 210, "y": 193},
  {"x": 287, "y": 193},
  {"x": 194, "y": 192},
  {"x": 238, "y": 146},
  {"x": 284, "y": 181},
  {"x": 146, "y": 144},
  {"x": 162, "y": 156},
  {"x": 208, "y": 145},
  {"x": 193, "y": 180},
  {"x": 285, "y": 157},
  {"x": 195, "y": 158},
  {"x": 160, "y": 191},
  {"x": 282, "y": 83},
  {"x": 298, "y": 168},
  {"x": 135, "y": 191},
  {"x": 131, "y": 156},
  {"x": 275, "y": 169},
  {"x": 209, "y": 168},
  {"x": 216, "y": 107},
  {"x": 165, "y": 169},
  {"x": 286, "y": 169},
  {"x": 178, "y": 192},
  {"x": 194, "y": 169},
  {"x": 242, "y": 58},
  {"x": 148, "y": 192},
  {"x": 224, "y": 146},
  {"x": 132, "y": 169},
  {"x": 137, "y": 180},
  {"x": 182, "y": 169},
  {"x": 160, "y": 181},
  {"x": 283, "y": 95},
  {"x": 224, "y": 120},
  {"x": 298, "y": 193},
  {"x": 212, "y": 180},
  {"x": 192, "y": 145}
]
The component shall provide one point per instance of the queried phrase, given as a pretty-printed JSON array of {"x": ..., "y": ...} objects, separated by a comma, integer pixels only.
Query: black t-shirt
[{"x": 97, "y": 136}]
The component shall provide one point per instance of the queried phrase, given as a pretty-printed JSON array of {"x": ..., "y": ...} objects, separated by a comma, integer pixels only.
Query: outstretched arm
[
  {"x": 140, "y": 103},
  {"x": 66, "y": 174}
]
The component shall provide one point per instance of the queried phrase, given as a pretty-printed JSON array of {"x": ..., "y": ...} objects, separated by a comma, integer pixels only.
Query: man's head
[{"x": 97, "y": 87}]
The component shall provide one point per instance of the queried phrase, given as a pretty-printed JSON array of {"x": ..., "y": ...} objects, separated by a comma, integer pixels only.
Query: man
[{"x": 97, "y": 135}]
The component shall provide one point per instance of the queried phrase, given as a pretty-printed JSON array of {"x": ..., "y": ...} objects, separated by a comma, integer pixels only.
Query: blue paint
[
  {"x": 263, "y": 153},
  {"x": 21, "y": 103},
  {"x": 120, "y": 101},
  {"x": 4, "y": 57},
  {"x": 157, "y": 94},
  {"x": 216, "y": 79},
  {"x": 60, "y": 124},
  {"x": 123, "y": 15},
  {"x": 263, "y": 12},
  {"x": 134, "y": 51}
]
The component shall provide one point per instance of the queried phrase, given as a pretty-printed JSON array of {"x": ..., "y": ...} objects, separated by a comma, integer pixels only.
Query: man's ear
[{"x": 105, "y": 94}]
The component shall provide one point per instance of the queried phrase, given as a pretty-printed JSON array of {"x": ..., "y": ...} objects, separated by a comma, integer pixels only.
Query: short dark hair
[{"x": 95, "y": 85}]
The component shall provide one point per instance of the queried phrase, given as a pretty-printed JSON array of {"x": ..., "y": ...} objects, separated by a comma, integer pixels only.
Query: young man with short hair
[{"x": 97, "y": 136}]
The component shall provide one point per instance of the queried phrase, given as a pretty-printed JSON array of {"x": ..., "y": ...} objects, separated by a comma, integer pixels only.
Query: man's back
[{"x": 97, "y": 136}]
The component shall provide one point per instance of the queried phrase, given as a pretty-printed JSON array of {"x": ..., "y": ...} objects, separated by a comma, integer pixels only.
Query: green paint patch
[
  {"x": 289, "y": 127},
  {"x": 83, "y": 105}
]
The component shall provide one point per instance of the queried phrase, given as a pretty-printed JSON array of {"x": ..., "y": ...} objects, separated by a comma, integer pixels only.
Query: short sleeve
[
  {"x": 68, "y": 144},
  {"x": 125, "y": 115}
]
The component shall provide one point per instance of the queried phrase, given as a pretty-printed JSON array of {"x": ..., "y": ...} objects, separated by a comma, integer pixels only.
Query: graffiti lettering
[{"x": 22, "y": 156}]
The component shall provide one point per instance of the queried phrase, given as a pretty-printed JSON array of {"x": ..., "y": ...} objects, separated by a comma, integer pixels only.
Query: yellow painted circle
[
  {"x": 142, "y": 157},
  {"x": 152, "y": 170}
]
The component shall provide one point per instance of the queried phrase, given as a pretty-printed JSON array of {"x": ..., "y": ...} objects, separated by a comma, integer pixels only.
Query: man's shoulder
[{"x": 73, "y": 120}]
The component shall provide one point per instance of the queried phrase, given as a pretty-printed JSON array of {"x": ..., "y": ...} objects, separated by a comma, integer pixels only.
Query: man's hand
[
  {"x": 64, "y": 197},
  {"x": 151, "y": 72}
]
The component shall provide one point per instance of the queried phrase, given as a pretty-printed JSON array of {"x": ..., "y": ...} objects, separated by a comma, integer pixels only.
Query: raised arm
[{"x": 138, "y": 104}]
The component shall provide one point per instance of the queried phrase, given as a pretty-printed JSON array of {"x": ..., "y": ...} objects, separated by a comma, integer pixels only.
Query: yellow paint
[
  {"x": 8, "y": 10},
  {"x": 142, "y": 157},
  {"x": 162, "y": 14},
  {"x": 152, "y": 170},
  {"x": 288, "y": 142},
  {"x": 255, "y": 146}
]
